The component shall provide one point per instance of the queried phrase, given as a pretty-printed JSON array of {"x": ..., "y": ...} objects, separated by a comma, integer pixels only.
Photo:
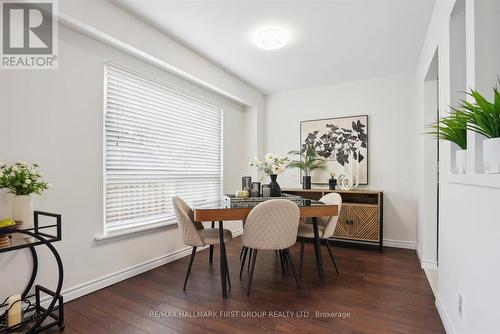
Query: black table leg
[
  {"x": 223, "y": 274},
  {"x": 317, "y": 249},
  {"x": 211, "y": 252}
]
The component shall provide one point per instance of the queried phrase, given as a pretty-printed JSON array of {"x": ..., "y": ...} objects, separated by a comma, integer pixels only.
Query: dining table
[{"x": 308, "y": 209}]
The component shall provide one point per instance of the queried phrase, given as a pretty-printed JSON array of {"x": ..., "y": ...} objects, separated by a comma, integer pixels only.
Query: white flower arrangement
[
  {"x": 270, "y": 157},
  {"x": 20, "y": 179},
  {"x": 270, "y": 165}
]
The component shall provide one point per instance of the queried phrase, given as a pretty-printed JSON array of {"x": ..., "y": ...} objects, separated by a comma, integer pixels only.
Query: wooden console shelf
[{"x": 361, "y": 216}]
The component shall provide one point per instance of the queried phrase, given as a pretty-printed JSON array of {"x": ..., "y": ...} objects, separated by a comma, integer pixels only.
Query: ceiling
[{"x": 330, "y": 41}]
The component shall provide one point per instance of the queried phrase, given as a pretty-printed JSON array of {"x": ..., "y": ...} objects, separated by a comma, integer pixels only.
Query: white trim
[
  {"x": 428, "y": 264},
  {"x": 122, "y": 233},
  {"x": 445, "y": 319},
  {"x": 424, "y": 263},
  {"x": 107, "y": 280},
  {"x": 400, "y": 244},
  {"x": 419, "y": 254},
  {"x": 476, "y": 179},
  {"x": 431, "y": 275},
  {"x": 129, "y": 49}
]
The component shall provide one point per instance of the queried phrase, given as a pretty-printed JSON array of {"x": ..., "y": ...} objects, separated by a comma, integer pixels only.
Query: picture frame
[{"x": 338, "y": 140}]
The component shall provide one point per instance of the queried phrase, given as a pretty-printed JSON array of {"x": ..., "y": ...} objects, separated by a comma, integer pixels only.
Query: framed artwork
[{"x": 340, "y": 141}]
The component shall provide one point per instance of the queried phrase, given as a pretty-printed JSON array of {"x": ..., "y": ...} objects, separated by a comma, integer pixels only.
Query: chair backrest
[
  {"x": 330, "y": 223},
  {"x": 272, "y": 225},
  {"x": 188, "y": 228}
]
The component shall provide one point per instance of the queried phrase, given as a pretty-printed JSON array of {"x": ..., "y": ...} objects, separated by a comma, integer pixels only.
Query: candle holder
[
  {"x": 266, "y": 191},
  {"x": 255, "y": 191},
  {"x": 246, "y": 183}
]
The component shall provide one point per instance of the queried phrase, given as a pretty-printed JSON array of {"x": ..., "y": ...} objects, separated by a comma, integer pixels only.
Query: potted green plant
[
  {"x": 307, "y": 163},
  {"x": 22, "y": 180},
  {"x": 484, "y": 118},
  {"x": 453, "y": 128},
  {"x": 272, "y": 165}
]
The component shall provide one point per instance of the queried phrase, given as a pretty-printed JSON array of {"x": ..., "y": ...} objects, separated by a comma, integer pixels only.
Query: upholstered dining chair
[
  {"x": 194, "y": 234},
  {"x": 326, "y": 228},
  {"x": 271, "y": 225}
]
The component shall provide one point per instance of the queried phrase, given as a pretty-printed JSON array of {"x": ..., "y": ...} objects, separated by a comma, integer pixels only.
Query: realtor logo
[{"x": 29, "y": 34}]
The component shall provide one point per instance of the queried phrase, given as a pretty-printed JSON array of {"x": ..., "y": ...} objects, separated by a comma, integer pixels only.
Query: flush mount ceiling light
[{"x": 270, "y": 38}]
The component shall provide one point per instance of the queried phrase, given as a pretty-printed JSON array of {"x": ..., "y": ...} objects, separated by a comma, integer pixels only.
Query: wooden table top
[{"x": 218, "y": 214}]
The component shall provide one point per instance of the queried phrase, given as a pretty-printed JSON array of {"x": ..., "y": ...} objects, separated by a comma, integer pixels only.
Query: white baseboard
[
  {"x": 424, "y": 263},
  {"x": 107, "y": 280},
  {"x": 448, "y": 327},
  {"x": 428, "y": 264},
  {"x": 400, "y": 244},
  {"x": 419, "y": 253},
  {"x": 104, "y": 281}
]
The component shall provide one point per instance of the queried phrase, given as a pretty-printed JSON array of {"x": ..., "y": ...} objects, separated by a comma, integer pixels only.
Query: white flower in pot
[
  {"x": 22, "y": 181},
  {"x": 453, "y": 128},
  {"x": 272, "y": 165},
  {"x": 484, "y": 118}
]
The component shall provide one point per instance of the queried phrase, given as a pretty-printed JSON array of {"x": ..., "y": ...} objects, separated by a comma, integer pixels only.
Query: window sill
[
  {"x": 480, "y": 180},
  {"x": 132, "y": 231}
]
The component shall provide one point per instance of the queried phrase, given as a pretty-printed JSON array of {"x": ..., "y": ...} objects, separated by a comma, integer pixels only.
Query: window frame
[{"x": 105, "y": 234}]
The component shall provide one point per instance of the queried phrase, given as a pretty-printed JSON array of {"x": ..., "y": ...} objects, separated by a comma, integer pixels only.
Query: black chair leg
[
  {"x": 301, "y": 256},
  {"x": 249, "y": 259},
  {"x": 193, "y": 253},
  {"x": 242, "y": 248},
  {"x": 331, "y": 256},
  {"x": 281, "y": 262},
  {"x": 290, "y": 261},
  {"x": 244, "y": 258},
  {"x": 276, "y": 252},
  {"x": 227, "y": 266},
  {"x": 285, "y": 261},
  {"x": 250, "y": 277}
]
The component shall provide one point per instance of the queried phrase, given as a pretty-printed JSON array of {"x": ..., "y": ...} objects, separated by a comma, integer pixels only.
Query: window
[{"x": 160, "y": 142}]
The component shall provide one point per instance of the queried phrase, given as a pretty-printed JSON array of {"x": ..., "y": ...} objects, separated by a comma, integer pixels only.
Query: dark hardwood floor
[{"x": 374, "y": 293}]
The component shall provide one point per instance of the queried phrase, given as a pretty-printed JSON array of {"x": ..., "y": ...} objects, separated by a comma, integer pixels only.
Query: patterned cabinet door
[
  {"x": 364, "y": 222},
  {"x": 343, "y": 229}
]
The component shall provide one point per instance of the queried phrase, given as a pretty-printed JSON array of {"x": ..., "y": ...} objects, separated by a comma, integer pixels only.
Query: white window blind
[{"x": 160, "y": 142}]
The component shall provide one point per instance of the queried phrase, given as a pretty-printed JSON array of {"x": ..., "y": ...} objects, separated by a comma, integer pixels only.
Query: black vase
[
  {"x": 274, "y": 186},
  {"x": 306, "y": 182}
]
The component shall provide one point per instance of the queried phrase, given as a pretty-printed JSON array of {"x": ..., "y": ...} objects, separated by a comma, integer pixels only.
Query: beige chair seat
[
  {"x": 210, "y": 236},
  {"x": 307, "y": 231}
]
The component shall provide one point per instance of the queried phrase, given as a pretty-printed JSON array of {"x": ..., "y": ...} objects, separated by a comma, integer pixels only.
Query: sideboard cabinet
[{"x": 361, "y": 216}]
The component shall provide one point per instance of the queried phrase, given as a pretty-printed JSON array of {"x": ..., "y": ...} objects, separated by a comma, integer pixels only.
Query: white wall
[
  {"x": 114, "y": 23},
  {"x": 469, "y": 230},
  {"x": 427, "y": 176},
  {"x": 487, "y": 45},
  {"x": 389, "y": 104},
  {"x": 55, "y": 117}
]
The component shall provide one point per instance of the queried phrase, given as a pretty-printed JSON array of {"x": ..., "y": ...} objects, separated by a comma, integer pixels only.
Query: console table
[
  {"x": 361, "y": 216},
  {"x": 44, "y": 308}
]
